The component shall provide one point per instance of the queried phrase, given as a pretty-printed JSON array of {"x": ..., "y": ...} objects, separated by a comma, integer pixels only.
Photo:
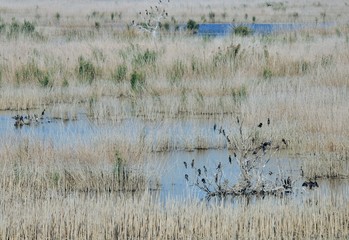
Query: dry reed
[{"x": 87, "y": 60}]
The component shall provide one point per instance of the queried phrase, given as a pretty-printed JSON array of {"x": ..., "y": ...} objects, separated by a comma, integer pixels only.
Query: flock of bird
[
  {"x": 287, "y": 183},
  {"x": 28, "y": 119}
]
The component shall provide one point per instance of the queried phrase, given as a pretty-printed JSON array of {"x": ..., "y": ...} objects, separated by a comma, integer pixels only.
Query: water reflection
[
  {"x": 172, "y": 170},
  {"x": 169, "y": 167}
]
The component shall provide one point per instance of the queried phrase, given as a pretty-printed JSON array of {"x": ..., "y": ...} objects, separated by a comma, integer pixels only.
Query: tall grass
[
  {"x": 113, "y": 216},
  {"x": 87, "y": 61},
  {"x": 305, "y": 95}
]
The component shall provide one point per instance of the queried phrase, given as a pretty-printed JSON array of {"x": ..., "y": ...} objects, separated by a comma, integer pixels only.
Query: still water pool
[
  {"x": 169, "y": 181},
  {"x": 223, "y": 29}
]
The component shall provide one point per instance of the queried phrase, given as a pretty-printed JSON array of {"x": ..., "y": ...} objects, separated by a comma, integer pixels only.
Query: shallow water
[
  {"x": 222, "y": 29},
  {"x": 168, "y": 167}
]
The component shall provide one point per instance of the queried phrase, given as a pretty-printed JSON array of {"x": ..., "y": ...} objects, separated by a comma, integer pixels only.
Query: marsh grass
[
  {"x": 68, "y": 179},
  {"x": 110, "y": 216},
  {"x": 326, "y": 165},
  {"x": 46, "y": 166},
  {"x": 89, "y": 60}
]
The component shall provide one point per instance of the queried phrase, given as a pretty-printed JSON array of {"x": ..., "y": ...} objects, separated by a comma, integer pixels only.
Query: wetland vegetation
[{"x": 94, "y": 109}]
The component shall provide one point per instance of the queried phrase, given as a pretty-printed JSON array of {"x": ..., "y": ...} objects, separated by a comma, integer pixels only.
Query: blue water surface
[{"x": 223, "y": 29}]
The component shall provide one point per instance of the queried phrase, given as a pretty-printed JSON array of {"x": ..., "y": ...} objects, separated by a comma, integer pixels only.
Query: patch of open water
[
  {"x": 223, "y": 29},
  {"x": 168, "y": 166}
]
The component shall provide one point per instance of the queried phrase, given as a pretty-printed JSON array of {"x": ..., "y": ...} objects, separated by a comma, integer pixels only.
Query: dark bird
[
  {"x": 228, "y": 139},
  {"x": 17, "y": 117},
  {"x": 19, "y": 122},
  {"x": 43, "y": 113},
  {"x": 287, "y": 183},
  {"x": 186, "y": 177},
  {"x": 270, "y": 173},
  {"x": 265, "y": 145},
  {"x": 223, "y": 132},
  {"x": 219, "y": 166},
  {"x": 203, "y": 181},
  {"x": 205, "y": 169},
  {"x": 185, "y": 164},
  {"x": 214, "y": 127},
  {"x": 237, "y": 120},
  {"x": 192, "y": 163},
  {"x": 268, "y": 122},
  {"x": 229, "y": 159},
  {"x": 199, "y": 172},
  {"x": 260, "y": 125},
  {"x": 284, "y": 141},
  {"x": 234, "y": 154},
  {"x": 268, "y": 143},
  {"x": 216, "y": 178},
  {"x": 310, "y": 184}
]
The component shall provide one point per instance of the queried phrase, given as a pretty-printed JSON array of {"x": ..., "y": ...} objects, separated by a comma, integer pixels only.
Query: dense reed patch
[
  {"x": 112, "y": 216},
  {"x": 35, "y": 166}
]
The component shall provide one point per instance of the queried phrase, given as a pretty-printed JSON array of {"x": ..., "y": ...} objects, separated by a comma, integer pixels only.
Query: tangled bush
[{"x": 252, "y": 150}]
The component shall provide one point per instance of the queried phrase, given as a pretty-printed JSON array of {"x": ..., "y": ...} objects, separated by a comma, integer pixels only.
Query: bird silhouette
[
  {"x": 219, "y": 166},
  {"x": 228, "y": 139},
  {"x": 185, "y": 164},
  {"x": 186, "y": 177},
  {"x": 260, "y": 125},
  {"x": 310, "y": 184},
  {"x": 205, "y": 169},
  {"x": 192, "y": 163}
]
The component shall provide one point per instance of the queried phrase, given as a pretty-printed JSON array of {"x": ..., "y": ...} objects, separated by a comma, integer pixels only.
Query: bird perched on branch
[
  {"x": 185, "y": 164},
  {"x": 199, "y": 172}
]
